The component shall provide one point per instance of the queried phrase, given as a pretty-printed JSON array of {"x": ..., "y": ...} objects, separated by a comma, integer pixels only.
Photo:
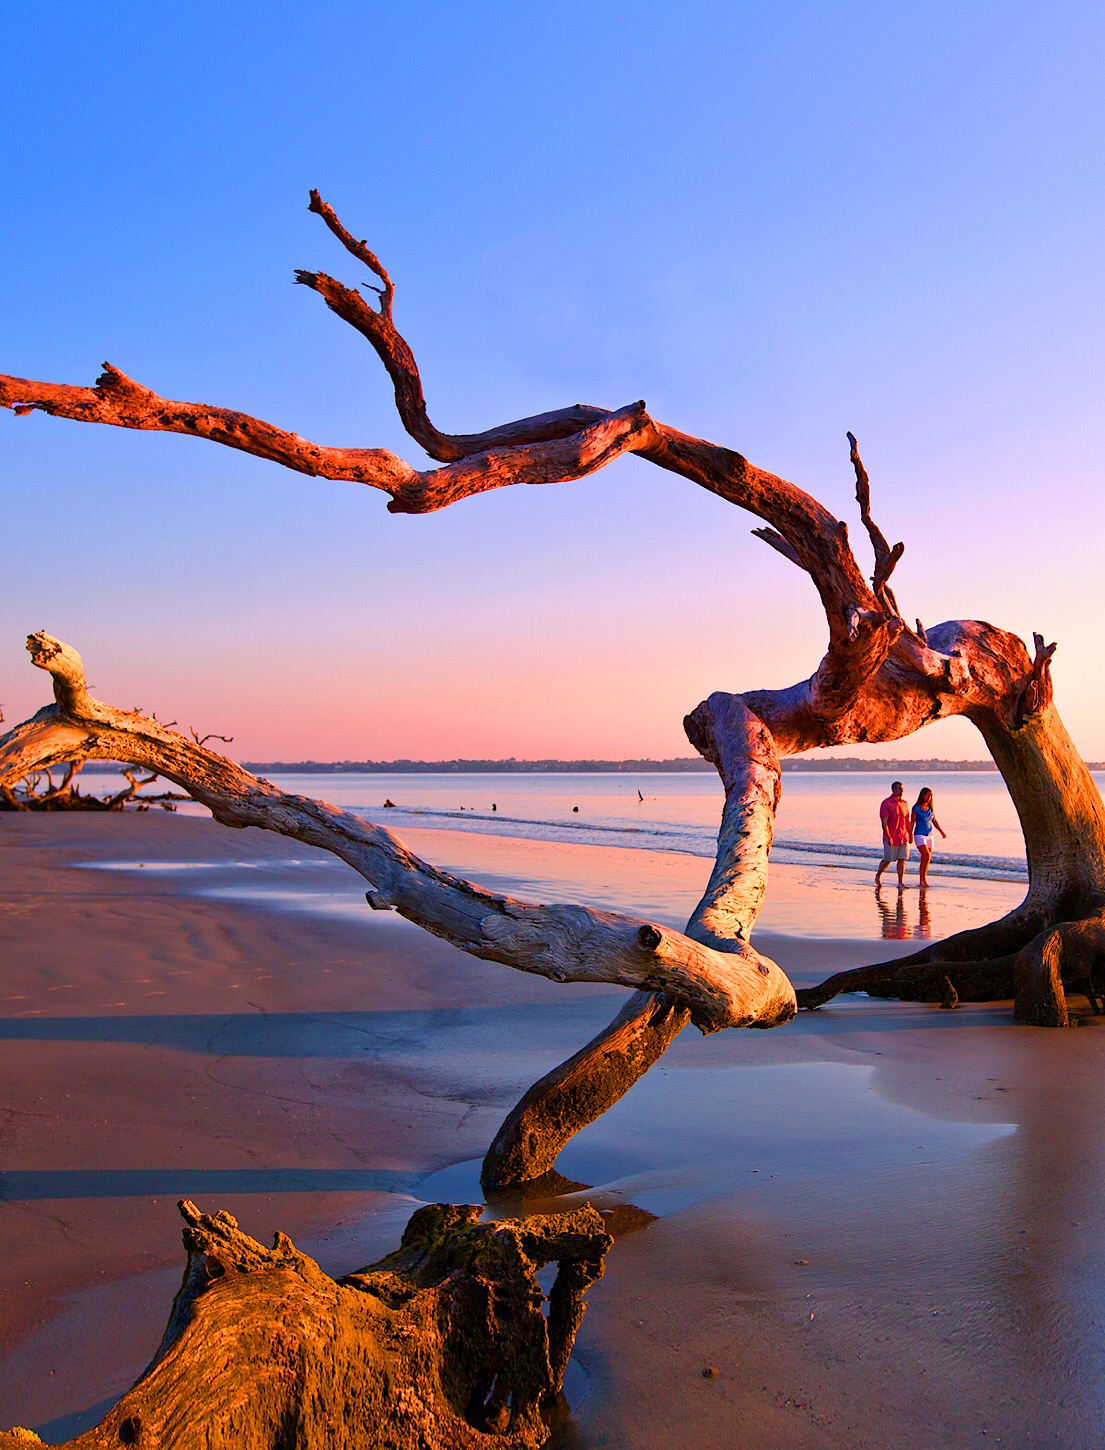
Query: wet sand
[{"x": 880, "y": 1225}]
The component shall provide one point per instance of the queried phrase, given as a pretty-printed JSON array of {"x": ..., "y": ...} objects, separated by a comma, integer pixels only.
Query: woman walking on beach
[{"x": 921, "y": 823}]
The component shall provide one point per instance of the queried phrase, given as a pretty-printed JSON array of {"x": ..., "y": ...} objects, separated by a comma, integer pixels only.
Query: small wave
[
  {"x": 1005, "y": 868},
  {"x": 693, "y": 840}
]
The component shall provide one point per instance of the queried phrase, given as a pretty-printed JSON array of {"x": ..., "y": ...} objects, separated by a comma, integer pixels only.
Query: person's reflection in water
[{"x": 895, "y": 924}]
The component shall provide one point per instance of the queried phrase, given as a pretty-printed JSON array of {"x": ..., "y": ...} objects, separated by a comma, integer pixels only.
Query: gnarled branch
[
  {"x": 566, "y": 443},
  {"x": 1038, "y": 691},
  {"x": 121, "y": 402},
  {"x": 886, "y": 558}
]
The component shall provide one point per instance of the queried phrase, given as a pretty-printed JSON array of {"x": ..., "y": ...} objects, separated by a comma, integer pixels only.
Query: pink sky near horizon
[{"x": 774, "y": 224}]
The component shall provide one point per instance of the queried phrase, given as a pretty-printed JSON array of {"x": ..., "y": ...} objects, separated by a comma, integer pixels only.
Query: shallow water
[
  {"x": 689, "y": 1134},
  {"x": 818, "y": 899}
]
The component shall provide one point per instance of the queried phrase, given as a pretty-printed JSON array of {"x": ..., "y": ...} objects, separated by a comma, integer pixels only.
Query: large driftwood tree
[{"x": 880, "y": 679}]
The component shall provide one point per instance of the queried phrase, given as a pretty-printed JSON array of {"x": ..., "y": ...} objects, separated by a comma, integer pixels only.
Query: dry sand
[{"x": 881, "y": 1225}]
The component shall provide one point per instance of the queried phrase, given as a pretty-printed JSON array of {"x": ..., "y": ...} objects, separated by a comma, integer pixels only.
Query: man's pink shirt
[{"x": 894, "y": 814}]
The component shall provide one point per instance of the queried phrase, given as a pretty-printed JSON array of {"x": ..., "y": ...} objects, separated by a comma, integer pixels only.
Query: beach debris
[
  {"x": 576, "y": 810},
  {"x": 38, "y": 791},
  {"x": 710, "y": 1371},
  {"x": 443, "y": 1342}
]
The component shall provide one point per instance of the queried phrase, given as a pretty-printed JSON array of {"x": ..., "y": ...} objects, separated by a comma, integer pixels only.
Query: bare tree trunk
[
  {"x": 580, "y": 1090},
  {"x": 583, "y": 1088},
  {"x": 442, "y": 1345}
]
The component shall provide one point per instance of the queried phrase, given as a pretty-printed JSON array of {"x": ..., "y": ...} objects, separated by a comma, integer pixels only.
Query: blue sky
[{"x": 773, "y": 222}]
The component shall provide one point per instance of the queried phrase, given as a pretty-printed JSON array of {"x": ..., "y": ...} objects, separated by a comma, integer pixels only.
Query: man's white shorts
[{"x": 894, "y": 853}]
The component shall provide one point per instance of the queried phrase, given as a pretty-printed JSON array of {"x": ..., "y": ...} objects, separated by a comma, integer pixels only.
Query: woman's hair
[{"x": 924, "y": 800}]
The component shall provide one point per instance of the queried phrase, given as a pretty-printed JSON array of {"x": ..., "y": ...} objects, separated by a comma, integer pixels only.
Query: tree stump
[{"x": 442, "y": 1345}]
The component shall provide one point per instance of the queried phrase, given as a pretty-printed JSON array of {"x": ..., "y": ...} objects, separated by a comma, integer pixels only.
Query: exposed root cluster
[
  {"x": 443, "y": 1345},
  {"x": 38, "y": 791},
  {"x": 1063, "y": 959}
]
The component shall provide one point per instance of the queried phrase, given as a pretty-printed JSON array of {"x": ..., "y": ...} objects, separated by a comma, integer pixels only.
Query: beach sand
[{"x": 880, "y": 1225}]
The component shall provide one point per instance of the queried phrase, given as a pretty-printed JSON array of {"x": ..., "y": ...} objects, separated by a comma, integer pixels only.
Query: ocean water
[{"x": 823, "y": 819}]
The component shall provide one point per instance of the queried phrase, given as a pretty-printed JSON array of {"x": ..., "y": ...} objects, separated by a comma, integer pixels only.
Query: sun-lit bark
[{"x": 442, "y": 1344}]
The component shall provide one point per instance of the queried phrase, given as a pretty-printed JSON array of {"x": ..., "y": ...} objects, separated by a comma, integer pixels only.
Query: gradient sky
[{"x": 772, "y": 221}]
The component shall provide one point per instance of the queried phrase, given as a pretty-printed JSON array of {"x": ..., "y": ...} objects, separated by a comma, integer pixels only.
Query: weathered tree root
[
  {"x": 1063, "y": 959},
  {"x": 913, "y": 981},
  {"x": 440, "y": 1346}
]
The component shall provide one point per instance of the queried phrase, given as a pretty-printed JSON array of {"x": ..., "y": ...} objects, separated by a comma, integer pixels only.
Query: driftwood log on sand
[{"x": 443, "y": 1345}]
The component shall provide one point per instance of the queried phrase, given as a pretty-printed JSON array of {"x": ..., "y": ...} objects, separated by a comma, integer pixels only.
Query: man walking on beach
[{"x": 894, "y": 815}]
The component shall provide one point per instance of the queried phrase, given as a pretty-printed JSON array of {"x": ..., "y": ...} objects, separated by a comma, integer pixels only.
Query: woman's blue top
[{"x": 923, "y": 825}]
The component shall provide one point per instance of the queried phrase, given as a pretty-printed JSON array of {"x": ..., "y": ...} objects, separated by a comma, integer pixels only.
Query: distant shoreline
[{"x": 677, "y": 766}]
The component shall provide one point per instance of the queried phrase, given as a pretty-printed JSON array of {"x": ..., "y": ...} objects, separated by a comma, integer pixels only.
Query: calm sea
[{"x": 823, "y": 819}]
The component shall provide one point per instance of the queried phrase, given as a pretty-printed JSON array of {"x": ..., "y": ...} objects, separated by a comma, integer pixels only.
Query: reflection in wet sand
[{"x": 896, "y": 925}]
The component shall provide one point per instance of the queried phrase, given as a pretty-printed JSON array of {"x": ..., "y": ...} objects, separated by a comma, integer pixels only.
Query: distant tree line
[
  {"x": 675, "y": 766},
  {"x": 794, "y": 765}
]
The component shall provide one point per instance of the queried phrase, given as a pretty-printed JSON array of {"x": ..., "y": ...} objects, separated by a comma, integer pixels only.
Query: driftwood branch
[
  {"x": 1038, "y": 691},
  {"x": 398, "y": 359},
  {"x": 562, "y": 444},
  {"x": 886, "y": 558},
  {"x": 124, "y": 403},
  {"x": 441, "y": 1344},
  {"x": 734, "y": 988}
]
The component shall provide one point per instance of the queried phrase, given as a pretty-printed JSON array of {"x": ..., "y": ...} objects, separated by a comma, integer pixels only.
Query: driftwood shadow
[{"x": 400, "y": 1033}]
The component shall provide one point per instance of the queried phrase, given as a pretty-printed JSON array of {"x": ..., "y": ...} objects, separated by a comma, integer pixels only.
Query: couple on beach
[{"x": 900, "y": 825}]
